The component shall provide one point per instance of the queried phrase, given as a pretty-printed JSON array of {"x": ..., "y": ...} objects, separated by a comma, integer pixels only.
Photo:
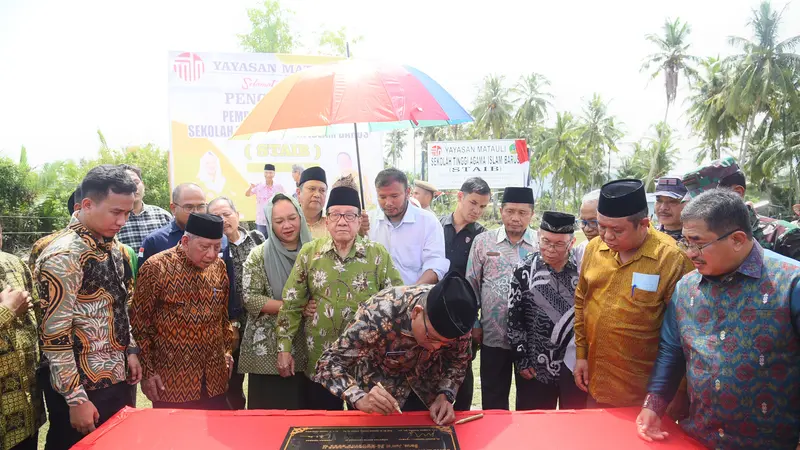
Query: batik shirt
[
  {"x": 42, "y": 243},
  {"x": 258, "y": 350},
  {"x": 139, "y": 226},
  {"x": 238, "y": 255},
  {"x": 736, "y": 339},
  {"x": 379, "y": 347},
  {"x": 541, "y": 315},
  {"x": 492, "y": 260},
  {"x": 618, "y": 312},
  {"x": 85, "y": 329},
  {"x": 779, "y": 236},
  {"x": 21, "y": 404},
  {"x": 338, "y": 286},
  {"x": 179, "y": 315},
  {"x": 318, "y": 229}
]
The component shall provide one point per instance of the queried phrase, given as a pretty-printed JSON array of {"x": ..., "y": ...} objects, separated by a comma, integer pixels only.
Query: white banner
[
  {"x": 450, "y": 163},
  {"x": 210, "y": 94}
]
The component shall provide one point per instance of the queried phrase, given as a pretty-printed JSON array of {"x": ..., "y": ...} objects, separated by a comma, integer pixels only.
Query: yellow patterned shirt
[
  {"x": 617, "y": 326},
  {"x": 20, "y": 399}
]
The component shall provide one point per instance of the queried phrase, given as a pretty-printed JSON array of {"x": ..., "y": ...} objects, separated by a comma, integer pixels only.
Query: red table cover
[{"x": 164, "y": 429}]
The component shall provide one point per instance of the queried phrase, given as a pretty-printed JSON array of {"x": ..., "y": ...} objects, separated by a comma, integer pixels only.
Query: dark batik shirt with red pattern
[{"x": 379, "y": 347}]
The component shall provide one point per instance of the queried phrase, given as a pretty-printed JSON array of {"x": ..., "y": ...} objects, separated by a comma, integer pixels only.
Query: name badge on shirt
[
  {"x": 645, "y": 282},
  {"x": 492, "y": 253}
]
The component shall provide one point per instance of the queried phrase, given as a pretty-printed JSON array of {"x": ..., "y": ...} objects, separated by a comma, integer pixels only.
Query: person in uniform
[
  {"x": 670, "y": 192},
  {"x": 406, "y": 349},
  {"x": 424, "y": 192},
  {"x": 492, "y": 260},
  {"x": 627, "y": 279},
  {"x": 180, "y": 317},
  {"x": 311, "y": 194},
  {"x": 779, "y": 236},
  {"x": 541, "y": 316}
]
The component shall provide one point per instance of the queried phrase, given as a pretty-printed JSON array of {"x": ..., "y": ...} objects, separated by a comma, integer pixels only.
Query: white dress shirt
[{"x": 416, "y": 243}]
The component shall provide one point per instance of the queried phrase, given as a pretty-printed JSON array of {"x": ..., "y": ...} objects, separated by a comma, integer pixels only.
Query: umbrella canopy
[{"x": 384, "y": 96}]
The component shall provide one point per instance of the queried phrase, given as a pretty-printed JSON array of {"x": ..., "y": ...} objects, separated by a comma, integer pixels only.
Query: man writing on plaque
[
  {"x": 407, "y": 348},
  {"x": 627, "y": 279}
]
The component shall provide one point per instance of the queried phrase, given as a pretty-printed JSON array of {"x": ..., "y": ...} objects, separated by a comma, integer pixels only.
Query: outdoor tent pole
[{"x": 358, "y": 155}]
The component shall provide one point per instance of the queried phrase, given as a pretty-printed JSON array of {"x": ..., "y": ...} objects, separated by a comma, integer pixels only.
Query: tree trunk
[
  {"x": 750, "y": 124},
  {"x": 666, "y": 112}
]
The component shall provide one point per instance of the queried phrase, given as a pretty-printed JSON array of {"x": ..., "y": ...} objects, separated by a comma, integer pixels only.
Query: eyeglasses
[
  {"x": 194, "y": 208},
  {"x": 559, "y": 246},
  {"x": 347, "y": 217},
  {"x": 686, "y": 246},
  {"x": 588, "y": 223}
]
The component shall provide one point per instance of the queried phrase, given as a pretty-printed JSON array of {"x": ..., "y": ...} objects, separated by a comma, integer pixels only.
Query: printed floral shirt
[
  {"x": 85, "y": 332},
  {"x": 258, "y": 350},
  {"x": 492, "y": 260},
  {"x": 339, "y": 286},
  {"x": 21, "y": 403},
  {"x": 379, "y": 347}
]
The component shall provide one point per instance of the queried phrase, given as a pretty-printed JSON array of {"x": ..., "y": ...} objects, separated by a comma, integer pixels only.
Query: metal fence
[{"x": 20, "y": 232}]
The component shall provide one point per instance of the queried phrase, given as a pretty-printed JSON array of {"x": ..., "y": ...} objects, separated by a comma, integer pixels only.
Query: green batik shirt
[
  {"x": 21, "y": 404},
  {"x": 258, "y": 350},
  {"x": 339, "y": 286},
  {"x": 779, "y": 236}
]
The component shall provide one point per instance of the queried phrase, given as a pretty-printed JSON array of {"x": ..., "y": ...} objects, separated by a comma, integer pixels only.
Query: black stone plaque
[{"x": 371, "y": 438}]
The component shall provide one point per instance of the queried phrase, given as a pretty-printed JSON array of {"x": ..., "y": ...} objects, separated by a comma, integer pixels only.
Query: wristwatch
[
  {"x": 450, "y": 397},
  {"x": 236, "y": 324}
]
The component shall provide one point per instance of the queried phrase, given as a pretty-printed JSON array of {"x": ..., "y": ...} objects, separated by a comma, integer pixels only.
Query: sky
[{"x": 67, "y": 71}]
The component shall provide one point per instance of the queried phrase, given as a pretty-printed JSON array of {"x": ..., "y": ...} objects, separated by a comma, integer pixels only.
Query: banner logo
[
  {"x": 436, "y": 150},
  {"x": 189, "y": 66}
]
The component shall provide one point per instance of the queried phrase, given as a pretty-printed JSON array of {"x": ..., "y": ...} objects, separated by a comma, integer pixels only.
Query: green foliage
[
  {"x": 395, "y": 144},
  {"x": 271, "y": 30}
]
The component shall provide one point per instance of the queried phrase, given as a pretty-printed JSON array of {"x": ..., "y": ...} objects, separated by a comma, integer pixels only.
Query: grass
[{"x": 143, "y": 402}]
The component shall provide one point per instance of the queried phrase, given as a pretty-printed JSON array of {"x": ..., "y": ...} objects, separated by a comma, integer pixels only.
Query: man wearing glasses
[
  {"x": 587, "y": 222},
  {"x": 670, "y": 192},
  {"x": 626, "y": 281},
  {"x": 187, "y": 198},
  {"x": 541, "y": 315},
  {"x": 340, "y": 272},
  {"x": 737, "y": 317},
  {"x": 407, "y": 349}
]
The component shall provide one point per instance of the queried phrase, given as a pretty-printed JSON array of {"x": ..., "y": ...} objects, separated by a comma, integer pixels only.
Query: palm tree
[
  {"x": 764, "y": 67},
  {"x": 659, "y": 156},
  {"x": 599, "y": 133},
  {"x": 559, "y": 155},
  {"x": 707, "y": 112},
  {"x": 672, "y": 57},
  {"x": 395, "y": 145},
  {"x": 493, "y": 107},
  {"x": 532, "y": 100}
]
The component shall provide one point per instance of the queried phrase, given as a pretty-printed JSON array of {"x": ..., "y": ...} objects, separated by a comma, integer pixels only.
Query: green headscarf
[{"x": 278, "y": 260}]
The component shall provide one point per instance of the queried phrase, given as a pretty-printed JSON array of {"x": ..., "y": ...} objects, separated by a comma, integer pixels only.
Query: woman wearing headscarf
[{"x": 265, "y": 272}]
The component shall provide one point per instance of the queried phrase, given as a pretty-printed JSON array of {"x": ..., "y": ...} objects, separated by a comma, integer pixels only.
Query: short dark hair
[
  {"x": 176, "y": 193},
  {"x": 636, "y": 218},
  {"x": 722, "y": 210},
  {"x": 222, "y": 199},
  {"x": 133, "y": 169},
  {"x": 106, "y": 178},
  {"x": 475, "y": 185},
  {"x": 391, "y": 175},
  {"x": 734, "y": 179}
]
